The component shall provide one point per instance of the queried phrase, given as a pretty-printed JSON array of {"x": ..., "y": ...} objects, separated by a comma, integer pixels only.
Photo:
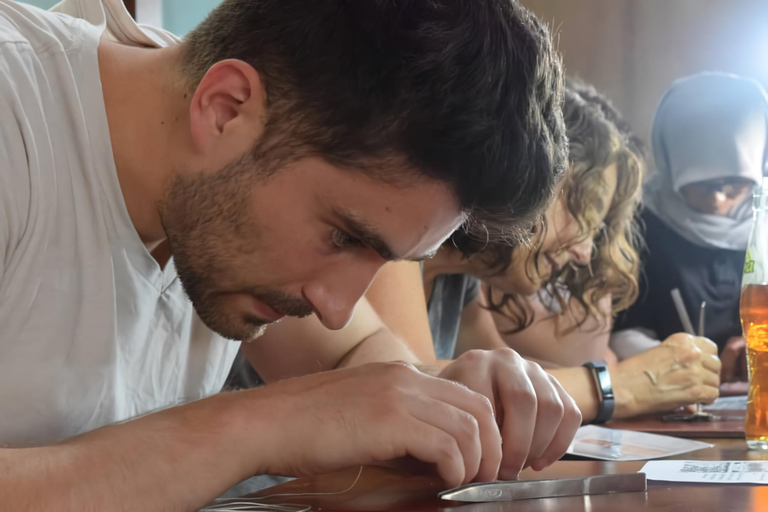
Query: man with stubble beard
[{"x": 159, "y": 197}]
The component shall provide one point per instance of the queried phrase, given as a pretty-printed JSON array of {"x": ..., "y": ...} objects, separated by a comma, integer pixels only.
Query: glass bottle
[{"x": 754, "y": 322}]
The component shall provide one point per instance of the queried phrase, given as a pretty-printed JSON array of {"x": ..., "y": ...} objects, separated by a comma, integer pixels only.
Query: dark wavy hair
[
  {"x": 598, "y": 138},
  {"x": 468, "y": 92}
]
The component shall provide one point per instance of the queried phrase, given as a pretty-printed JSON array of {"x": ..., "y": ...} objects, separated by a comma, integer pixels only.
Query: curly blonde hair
[{"x": 598, "y": 138}]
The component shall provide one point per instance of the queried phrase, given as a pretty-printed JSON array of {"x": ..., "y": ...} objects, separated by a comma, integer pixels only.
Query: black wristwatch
[{"x": 604, "y": 390}]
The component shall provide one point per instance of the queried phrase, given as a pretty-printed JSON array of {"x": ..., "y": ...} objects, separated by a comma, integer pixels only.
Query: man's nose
[{"x": 334, "y": 294}]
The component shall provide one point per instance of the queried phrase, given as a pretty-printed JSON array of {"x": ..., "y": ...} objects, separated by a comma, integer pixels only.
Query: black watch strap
[{"x": 604, "y": 390}]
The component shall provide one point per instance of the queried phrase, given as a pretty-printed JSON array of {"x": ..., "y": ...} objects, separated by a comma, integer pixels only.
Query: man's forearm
[
  {"x": 384, "y": 346},
  {"x": 435, "y": 367},
  {"x": 381, "y": 346},
  {"x": 177, "y": 459}
]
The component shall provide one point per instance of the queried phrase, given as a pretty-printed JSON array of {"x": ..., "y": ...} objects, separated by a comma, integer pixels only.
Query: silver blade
[{"x": 530, "y": 489}]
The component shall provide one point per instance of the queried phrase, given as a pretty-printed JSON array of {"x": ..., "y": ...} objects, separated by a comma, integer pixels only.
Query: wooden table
[
  {"x": 387, "y": 490},
  {"x": 729, "y": 424}
]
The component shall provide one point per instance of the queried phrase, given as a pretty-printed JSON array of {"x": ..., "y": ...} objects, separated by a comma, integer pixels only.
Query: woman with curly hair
[
  {"x": 584, "y": 267},
  {"x": 553, "y": 299}
]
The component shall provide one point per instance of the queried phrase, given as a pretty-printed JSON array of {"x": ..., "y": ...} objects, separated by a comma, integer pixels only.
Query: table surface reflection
[{"x": 380, "y": 489}]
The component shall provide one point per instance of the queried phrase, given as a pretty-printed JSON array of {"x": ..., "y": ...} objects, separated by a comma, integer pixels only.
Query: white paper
[
  {"x": 708, "y": 471},
  {"x": 728, "y": 403},
  {"x": 619, "y": 445}
]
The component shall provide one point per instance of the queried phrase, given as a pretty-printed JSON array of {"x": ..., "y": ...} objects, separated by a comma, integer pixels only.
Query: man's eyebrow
[
  {"x": 370, "y": 236},
  {"x": 367, "y": 234}
]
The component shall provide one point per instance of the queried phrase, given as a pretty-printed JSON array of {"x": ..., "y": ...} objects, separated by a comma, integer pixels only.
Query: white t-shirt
[{"x": 92, "y": 330}]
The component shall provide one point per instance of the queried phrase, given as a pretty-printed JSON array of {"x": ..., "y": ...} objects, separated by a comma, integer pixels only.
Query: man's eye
[{"x": 342, "y": 239}]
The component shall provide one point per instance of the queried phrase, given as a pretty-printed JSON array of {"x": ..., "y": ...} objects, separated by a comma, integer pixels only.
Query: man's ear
[{"x": 229, "y": 102}]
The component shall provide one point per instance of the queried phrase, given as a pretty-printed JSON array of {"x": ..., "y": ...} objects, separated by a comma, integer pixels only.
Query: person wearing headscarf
[{"x": 709, "y": 140}]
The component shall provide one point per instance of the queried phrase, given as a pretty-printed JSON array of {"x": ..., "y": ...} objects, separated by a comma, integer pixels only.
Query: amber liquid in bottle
[{"x": 754, "y": 321}]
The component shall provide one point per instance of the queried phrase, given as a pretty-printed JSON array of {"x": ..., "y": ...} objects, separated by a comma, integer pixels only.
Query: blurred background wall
[
  {"x": 633, "y": 49},
  {"x": 629, "y": 49}
]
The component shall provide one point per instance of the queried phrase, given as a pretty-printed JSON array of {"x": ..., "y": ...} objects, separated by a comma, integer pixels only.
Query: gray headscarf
[{"x": 708, "y": 126}]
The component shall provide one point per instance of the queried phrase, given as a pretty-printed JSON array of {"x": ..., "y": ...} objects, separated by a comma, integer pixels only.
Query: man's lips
[{"x": 264, "y": 311}]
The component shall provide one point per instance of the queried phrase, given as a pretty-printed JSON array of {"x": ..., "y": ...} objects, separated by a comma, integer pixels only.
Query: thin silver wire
[
  {"x": 250, "y": 506},
  {"x": 256, "y": 505}
]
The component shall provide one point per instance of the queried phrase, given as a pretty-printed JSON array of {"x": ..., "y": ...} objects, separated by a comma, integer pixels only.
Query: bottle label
[{"x": 749, "y": 264}]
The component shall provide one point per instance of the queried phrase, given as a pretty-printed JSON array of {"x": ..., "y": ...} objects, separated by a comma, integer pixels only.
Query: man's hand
[
  {"x": 537, "y": 418},
  {"x": 376, "y": 413},
  {"x": 734, "y": 359}
]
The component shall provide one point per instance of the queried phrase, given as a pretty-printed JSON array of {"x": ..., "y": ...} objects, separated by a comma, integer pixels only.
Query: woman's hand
[
  {"x": 683, "y": 370},
  {"x": 735, "y": 361}
]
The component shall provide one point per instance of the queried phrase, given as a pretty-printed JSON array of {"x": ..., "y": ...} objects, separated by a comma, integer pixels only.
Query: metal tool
[
  {"x": 700, "y": 414},
  {"x": 702, "y": 312},
  {"x": 682, "y": 312},
  {"x": 531, "y": 489}
]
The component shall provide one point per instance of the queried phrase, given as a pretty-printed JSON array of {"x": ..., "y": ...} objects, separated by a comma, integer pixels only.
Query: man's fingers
[
  {"x": 458, "y": 424},
  {"x": 570, "y": 423},
  {"x": 435, "y": 446},
  {"x": 479, "y": 407},
  {"x": 549, "y": 411},
  {"x": 520, "y": 404}
]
